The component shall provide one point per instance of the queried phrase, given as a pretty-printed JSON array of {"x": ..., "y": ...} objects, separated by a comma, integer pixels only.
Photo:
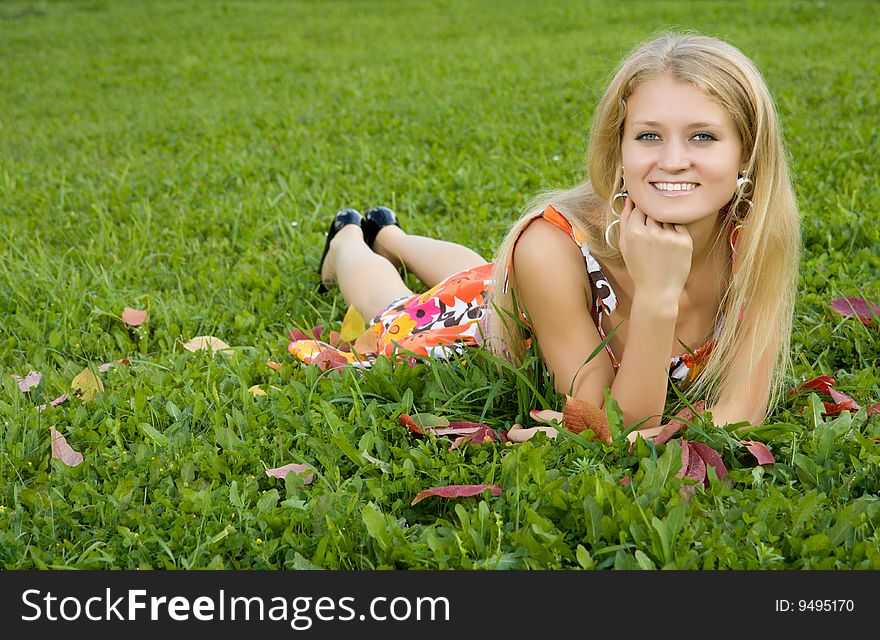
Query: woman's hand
[{"x": 657, "y": 255}]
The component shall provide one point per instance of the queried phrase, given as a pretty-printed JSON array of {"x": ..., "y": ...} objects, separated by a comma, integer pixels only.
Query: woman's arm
[{"x": 551, "y": 282}]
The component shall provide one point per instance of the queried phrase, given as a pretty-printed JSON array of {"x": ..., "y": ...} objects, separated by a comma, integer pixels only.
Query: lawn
[{"x": 185, "y": 159}]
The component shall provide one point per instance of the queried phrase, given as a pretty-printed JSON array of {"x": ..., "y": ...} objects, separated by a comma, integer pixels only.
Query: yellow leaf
[
  {"x": 257, "y": 391},
  {"x": 353, "y": 325},
  {"x": 208, "y": 343},
  {"x": 86, "y": 385}
]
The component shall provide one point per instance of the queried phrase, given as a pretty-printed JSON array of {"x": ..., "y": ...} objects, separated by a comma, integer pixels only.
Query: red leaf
[
  {"x": 281, "y": 472},
  {"x": 674, "y": 426},
  {"x": 456, "y": 491},
  {"x": 760, "y": 451},
  {"x": 273, "y": 365},
  {"x": 578, "y": 416},
  {"x": 478, "y": 435},
  {"x": 407, "y": 421},
  {"x": 692, "y": 465},
  {"x": 31, "y": 380},
  {"x": 134, "y": 317},
  {"x": 625, "y": 480},
  {"x": 327, "y": 359},
  {"x": 822, "y": 384},
  {"x": 873, "y": 410},
  {"x": 317, "y": 331},
  {"x": 841, "y": 398},
  {"x": 296, "y": 334},
  {"x": 832, "y": 409},
  {"x": 334, "y": 338},
  {"x": 710, "y": 457},
  {"x": 862, "y": 309},
  {"x": 63, "y": 451}
]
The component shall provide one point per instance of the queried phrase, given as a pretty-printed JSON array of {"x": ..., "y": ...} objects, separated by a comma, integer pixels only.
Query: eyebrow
[{"x": 693, "y": 125}]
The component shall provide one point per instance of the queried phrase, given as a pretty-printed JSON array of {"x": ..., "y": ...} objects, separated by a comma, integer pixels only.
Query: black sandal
[
  {"x": 344, "y": 217},
  {"x": 374, "y": 221}
]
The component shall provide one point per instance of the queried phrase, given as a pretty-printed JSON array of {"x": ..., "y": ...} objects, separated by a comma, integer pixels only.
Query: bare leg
[
  {"x": 367, "y": 281},
  {"x": 430, "y": 259}
]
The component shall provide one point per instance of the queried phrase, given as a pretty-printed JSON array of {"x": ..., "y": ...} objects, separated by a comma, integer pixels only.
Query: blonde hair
[{"x": 761, "y": 291}]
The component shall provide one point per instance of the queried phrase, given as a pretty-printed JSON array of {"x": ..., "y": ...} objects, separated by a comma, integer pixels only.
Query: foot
[
  {"x": 345, "y": 220},
  {"x": 375, "y": 220}
]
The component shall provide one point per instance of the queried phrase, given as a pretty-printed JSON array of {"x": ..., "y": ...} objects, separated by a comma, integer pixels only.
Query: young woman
[{"x": 685, "y": 241}]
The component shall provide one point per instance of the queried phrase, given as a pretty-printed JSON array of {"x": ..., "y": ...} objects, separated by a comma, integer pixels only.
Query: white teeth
[{"x": 675, "y": 186}]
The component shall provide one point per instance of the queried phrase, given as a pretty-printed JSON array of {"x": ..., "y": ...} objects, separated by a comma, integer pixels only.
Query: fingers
[
  {"x": 546, "y": 416},
  {"x": 517, "y": 433}
]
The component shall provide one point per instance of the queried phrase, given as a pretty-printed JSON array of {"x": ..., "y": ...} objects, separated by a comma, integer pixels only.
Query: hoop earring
[
  {"x": 607, "y": 231},
  {"x": 743, "y": 184},
  {"x": 620, "y": 195},
  {"x": 734, "y": 236}
]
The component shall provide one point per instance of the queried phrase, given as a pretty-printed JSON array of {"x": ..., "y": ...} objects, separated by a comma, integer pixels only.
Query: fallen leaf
[
  {"x": 833, "y": 409},
  {"x": 281, "y": 472},
  {"x": 692, "y": 464},
  {"x": 675, "y": 425},
  {"x": 367, "y": 342},
  {"x": 63, "y": 451},
  {"x": 62, "y": 398},
  {"x": 456, "y": 491},
  {"x": 134, "y": 317},
  {"x": 464, "y": 428},
  {"x": 479, "y": 435},
  {"x": 328, "y": 359},
  {"x": 353, "y": 325},
  {"x": 31, "y": 380},
  {"x": 86, "y": 385},
  {"x": 625, "y": 480},
  {"x": 407, "y": 421},
  {"x": 710, "y": 457},
  {"x": 273, "y": 365},
  {"x": 578, "y": 416},
  {"x": 873, "y": 410},
  {"x": 760, "y": 451},
  {"x": 842, "y": 398},
  {"x": 862, "y": 309},
  {"x": 208, "y": 343},
  {"x": 429, "y": 420},
  {"x": 822, "y": 384},
  {"x": 257, "y": 391}
]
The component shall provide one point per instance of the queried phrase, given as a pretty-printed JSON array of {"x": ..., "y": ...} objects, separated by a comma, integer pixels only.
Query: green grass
[{"x": 185, "y": 159}]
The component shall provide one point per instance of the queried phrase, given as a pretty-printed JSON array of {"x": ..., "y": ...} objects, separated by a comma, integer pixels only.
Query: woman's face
[{"x": 681, "y": 152}]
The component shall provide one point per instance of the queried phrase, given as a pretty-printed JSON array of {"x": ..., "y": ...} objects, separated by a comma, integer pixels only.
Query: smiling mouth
[{"x": 674, "y": 189}]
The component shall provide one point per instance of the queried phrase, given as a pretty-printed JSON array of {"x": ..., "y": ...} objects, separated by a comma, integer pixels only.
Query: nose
[{"x": 674, "y": 157}]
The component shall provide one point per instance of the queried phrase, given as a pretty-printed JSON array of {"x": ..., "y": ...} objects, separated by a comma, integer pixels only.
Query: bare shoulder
[
  {"x": 546, "y": 254},
  {"x": 550, "y": 277}
]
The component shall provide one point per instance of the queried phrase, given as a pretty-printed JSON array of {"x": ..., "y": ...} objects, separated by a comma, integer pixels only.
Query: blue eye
[
  {"x": 641, "y": 136},
  {"x": 707, "y": 137}
]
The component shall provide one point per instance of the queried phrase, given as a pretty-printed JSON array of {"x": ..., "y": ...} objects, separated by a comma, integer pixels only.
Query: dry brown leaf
[
  {"x": 273, "y": 365},
  {"x": 208, "y": 343},
  {"x": 578, "y": 416},
  {"x": 63, "y": 451},
  {"x": 367, "y": 342},
  {"x": 134, "y": 317},
  {"x": 86, "y": 385}
]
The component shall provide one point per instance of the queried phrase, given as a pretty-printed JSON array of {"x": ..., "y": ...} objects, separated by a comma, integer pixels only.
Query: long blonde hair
[{"x": 761, "y": 291}]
